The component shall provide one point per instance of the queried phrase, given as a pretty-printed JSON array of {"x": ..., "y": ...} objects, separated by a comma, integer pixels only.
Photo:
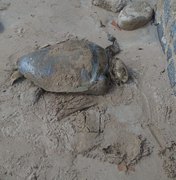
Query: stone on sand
[
  {"x": 110, "y": 5},
  {"x": 135, "y": 15}
]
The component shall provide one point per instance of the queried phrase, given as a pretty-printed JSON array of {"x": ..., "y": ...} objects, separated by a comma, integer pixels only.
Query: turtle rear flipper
[
  {"x": 16, "y": 75},
  {"x": 38, "y": 92}
]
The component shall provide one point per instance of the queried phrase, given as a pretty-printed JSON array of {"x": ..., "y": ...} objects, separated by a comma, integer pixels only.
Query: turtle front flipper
[{"x": 16, "y": 75}]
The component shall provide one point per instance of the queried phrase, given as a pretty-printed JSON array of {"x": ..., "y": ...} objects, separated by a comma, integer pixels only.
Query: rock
[
  {"x": 110, "y": 5},
  {"x": 135, "y": 15},
  {"x": 166, "y": 27}
]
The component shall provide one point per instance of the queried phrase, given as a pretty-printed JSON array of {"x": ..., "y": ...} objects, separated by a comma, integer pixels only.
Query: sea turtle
[{"x": 73, "y": 66}]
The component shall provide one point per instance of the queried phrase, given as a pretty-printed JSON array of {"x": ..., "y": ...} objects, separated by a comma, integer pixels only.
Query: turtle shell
[{"x": 73, "y": 66}]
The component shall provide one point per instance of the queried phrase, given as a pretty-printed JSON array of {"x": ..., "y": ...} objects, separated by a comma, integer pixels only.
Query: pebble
[{"x": 135, "y": 15}]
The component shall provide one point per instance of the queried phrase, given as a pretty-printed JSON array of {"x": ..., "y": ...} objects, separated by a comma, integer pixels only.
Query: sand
[{"x": 128, "y": 134}]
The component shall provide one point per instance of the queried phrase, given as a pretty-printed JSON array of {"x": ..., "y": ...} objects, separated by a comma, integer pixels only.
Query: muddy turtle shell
[{"x": 73, "y": 66}]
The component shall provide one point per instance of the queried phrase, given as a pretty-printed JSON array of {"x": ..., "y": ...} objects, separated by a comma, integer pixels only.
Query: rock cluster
[{"x": 133, "y": 15}]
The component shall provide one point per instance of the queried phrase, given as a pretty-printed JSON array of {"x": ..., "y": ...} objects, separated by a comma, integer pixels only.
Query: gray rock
[
  {"x": 166, "y": 26},
  {"x": 135, "y": 15},
  {"x": 110, "y": 5}
]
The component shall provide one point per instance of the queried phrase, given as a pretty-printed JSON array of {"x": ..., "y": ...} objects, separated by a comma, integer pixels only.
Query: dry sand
[{"x": 128, "y": 134}]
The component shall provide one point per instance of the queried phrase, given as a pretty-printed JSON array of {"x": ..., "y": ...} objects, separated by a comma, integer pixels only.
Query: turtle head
[
  {"x": 118, "y": 71},
  {"x": 114, "y": 48}
]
